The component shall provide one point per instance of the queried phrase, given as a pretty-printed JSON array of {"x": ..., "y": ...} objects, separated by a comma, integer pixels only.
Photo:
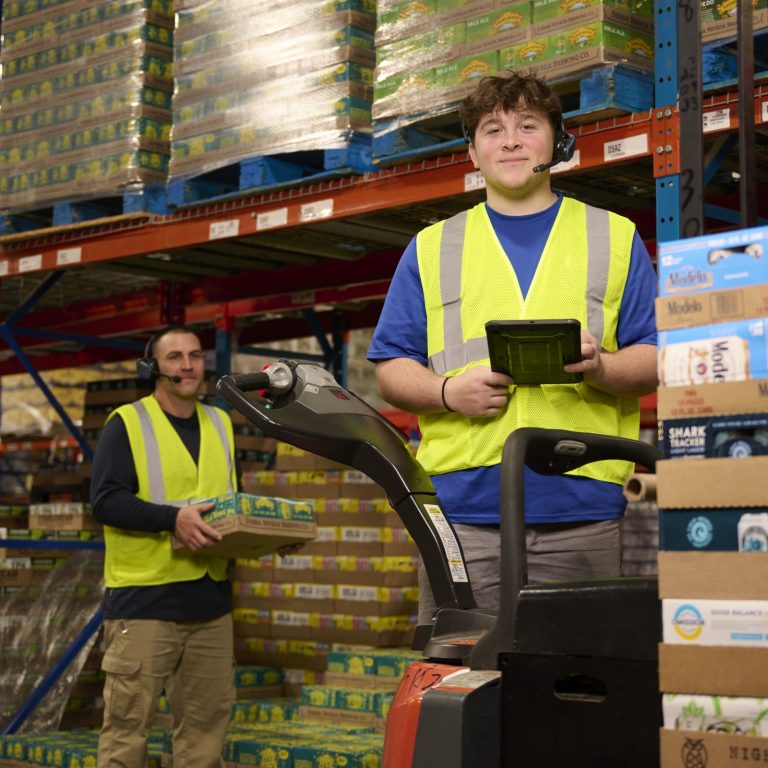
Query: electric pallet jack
[{"x": 564, "y": 675}]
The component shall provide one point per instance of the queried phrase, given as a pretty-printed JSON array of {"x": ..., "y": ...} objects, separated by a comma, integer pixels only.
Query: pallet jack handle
[
  {"x": 310, "y": 410},
  {"x": 547, "y": 452}
]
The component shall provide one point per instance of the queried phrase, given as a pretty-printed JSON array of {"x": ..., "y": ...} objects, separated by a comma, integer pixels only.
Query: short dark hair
[
  {"x": 149, "y": 350},
  {"x": 509, "y": 91}
]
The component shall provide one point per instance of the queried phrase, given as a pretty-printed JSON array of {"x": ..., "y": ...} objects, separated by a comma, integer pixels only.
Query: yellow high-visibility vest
[
  {"x": 468, "y": 280},
  {"x": 167, "y": 474}
]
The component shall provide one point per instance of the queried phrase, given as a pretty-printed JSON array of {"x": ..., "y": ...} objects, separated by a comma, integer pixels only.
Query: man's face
[
  {"x": 178, "y": 353},
  {"x": 507, "y": 146}
]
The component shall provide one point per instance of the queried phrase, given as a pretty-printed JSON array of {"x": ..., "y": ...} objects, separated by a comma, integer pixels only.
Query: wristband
[{"x": 442, "y": 393}]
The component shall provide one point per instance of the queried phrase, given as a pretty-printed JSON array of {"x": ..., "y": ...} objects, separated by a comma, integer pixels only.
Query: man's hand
[
  {"x": 478, "y": 392},
  {"x": 590, "y": 357},
  {"x": 192, "y": 531},
  {"x": 629, "y": 372}
]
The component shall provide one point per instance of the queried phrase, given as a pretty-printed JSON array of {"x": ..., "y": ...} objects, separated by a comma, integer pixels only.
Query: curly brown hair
[{"x": 509, "y": 91}]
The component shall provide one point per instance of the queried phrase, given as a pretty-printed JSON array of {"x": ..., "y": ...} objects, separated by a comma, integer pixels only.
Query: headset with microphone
[
  {"x": 562, "y": 151},
  {"x": 147, "y": 366}
]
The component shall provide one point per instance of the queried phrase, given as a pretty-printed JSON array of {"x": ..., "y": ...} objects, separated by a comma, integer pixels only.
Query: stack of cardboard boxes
[
  {"x": 257, "y": 78},
  {"x": 354, "y": 585},
  {"x": 713, "y": 412},
  {"x": 85, "y": 94},
  {"x": 429, "y": 54}
]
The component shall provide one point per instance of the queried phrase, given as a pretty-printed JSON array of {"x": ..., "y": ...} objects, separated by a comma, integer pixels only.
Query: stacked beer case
[
  {"x": 354, "y": 586},
  {"x": 254, "y": 78},
  {"x": 85, "y": 93},
  {"x": 430, "y": 54},
  {"x": 712, "y": 314}
]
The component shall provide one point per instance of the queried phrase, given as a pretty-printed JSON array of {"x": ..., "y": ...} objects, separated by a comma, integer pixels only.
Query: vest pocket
[{"x": 122, "y": 690}]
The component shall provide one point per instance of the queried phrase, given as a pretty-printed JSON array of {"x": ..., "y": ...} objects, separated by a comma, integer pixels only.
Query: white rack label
[
  {"x": 629, "y": 147},
  {"x": 31, "y": 263},
  {"x": 473, "y": 181},
  {"x": 764, "y": 111},
  {"x": 271, "y": 219},
  {"x": 4, "y": 268},
  {"x": 220, "y": 229},
  {"x": 716, "y": 120},
  {"x": 66, "y": 256},
  {"x": 322, "y": 209}
]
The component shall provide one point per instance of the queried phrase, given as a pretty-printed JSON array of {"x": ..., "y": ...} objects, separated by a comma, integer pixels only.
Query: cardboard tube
[{"x": 640, "y": 487}]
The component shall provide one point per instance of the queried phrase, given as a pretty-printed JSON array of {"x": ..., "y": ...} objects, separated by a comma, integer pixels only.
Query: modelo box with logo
[
  {"x": 713, "y": 262},
  {"x": 685, "y": 310},
  {"x": 714, "y": 353},
  {"x": 716, "y": 436}
]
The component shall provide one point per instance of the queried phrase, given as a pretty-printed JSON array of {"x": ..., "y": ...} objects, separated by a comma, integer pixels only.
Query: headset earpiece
[
  {"x": 146, "y": 366},
  {"x": 565, "y": 145},
  {"x": 465, "y": 132}
]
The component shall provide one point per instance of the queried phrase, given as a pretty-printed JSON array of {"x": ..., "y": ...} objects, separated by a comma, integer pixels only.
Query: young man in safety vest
[
  {"x": 527, "y": 252},
  {"x": 168, "y": 621}
]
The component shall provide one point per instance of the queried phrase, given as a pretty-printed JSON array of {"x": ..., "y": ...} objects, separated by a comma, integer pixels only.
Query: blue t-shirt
[{"x": 471, "y": 496}]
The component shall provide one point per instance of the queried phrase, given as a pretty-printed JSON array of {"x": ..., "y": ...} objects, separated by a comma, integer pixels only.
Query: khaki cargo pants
[{"x": 193, "y": 662}]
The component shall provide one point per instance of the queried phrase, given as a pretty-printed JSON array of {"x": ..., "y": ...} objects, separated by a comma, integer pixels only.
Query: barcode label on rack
[
  {"x": 31, "y": 263},
  {"x": 717, "y": 120},
  {"x": 4, "y": 267},
  {"x": 629, "y": 147},
  {"x": 66, "y": 256},
  {"x": 473, "y": 181},
  {"x": 727, "y": 305},
  {"x": 764, "y": 112},
  {"x": 271, "y": 219},
  {"x": 220, "y": 229},
  {"x": 322, "y": 209}
]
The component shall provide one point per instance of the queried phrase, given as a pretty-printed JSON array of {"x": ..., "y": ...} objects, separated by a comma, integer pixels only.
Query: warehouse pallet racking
[{"x": 315, "y": 259}]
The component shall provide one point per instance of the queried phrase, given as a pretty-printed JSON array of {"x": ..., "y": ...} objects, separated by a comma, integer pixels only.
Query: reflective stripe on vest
[
  {"x": 152, "y": 452},
  {"x": 456, "y": 353}
]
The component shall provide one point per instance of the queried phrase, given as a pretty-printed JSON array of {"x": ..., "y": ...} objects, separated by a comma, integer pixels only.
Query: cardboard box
[
  {"x": 701, "y": 529},
  {"x": 739, "y": 623},
  {"x": 743, "y": 715},
  {"x": 685, "y": 310},
  {"x": 498, "y": 28},
  {"x": 716, "y": 353},
  {"x": 732, "y": 483},
  {"x": 723, "y": 261},
  {"x": 712, "y": 399},
  {"x": 713, "y": 575},
  {"x": 725, "y": 26},
  {"x": 712, "y": 669},
  {"x": 255, "y": 536},
  {"x": 550, "y": 17},
  {"x": 683, "y": 749},
  {"x": 736, "y": 436},
  {"x": 266, "y": 507}
]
